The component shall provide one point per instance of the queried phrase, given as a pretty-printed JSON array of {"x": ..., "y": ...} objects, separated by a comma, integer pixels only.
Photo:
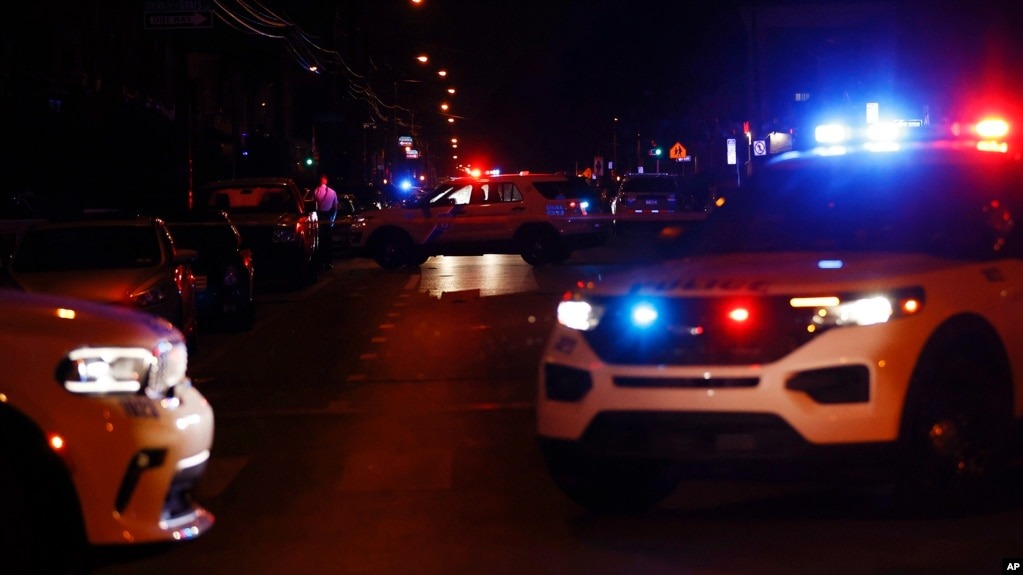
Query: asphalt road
[{"x": 381, "y": 423}]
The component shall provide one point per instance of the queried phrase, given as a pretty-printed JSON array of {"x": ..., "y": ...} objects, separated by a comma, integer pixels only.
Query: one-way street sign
[{"x": 184, "y": 19}]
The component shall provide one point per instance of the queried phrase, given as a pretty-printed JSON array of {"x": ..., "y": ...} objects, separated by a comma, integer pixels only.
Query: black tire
[
  {"x": 611, "y": 486},
  {"x": 48, "y": 536},
  {"x": 956, "y": 429},
  {"x": 561, "y": 256},
  {"x": 18, "y": 541},
  {"x": 419, "y": 259},
  {"x": 393, "y": 250},
  {"x": 542, "y": 246}
]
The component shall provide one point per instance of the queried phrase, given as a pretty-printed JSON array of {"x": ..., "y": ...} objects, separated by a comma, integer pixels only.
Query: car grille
[
  {"x": 180, "y": 497},
  {"x": 706, "y": 436},
  {"x": 698, "y": 331}
]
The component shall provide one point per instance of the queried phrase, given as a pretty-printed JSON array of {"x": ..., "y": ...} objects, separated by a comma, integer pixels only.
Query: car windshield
[
  {"x": 87, "y": 248},
  {"x": 945, "y": 210},
  {"x": 452, "y": 193},
  {"x": 648, "y": 186},
  {"x": 250, "y": 199},
  {"x": 569, "y": 189}
]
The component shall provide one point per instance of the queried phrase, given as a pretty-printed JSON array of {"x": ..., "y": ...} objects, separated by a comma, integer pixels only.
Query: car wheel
[
  {"x": 393, "y": 250},
  {"x": 419, "y": 259},
  {"x": 48, "y": 537},
  {"x": 956, "y": 428},
  {"x": 561, "y": 256},
  {"x": 17, "y": 540},
  {"x": 611, "y": 486},
  {"x": 541, "y": 246}
]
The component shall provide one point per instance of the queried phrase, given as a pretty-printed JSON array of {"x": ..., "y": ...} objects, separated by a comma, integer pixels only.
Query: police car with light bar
[
  {"x": 855, "y": 307},
  {"x": 542, "y": 217}
]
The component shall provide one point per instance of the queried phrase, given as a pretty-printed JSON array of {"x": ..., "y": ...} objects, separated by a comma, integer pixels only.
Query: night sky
[{"x": 540, "y": 82}]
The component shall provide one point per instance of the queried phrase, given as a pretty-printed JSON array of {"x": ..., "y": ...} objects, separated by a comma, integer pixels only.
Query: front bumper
[
  {"x": 135, "y": 464},
  {"x": 842, "y": 389}
]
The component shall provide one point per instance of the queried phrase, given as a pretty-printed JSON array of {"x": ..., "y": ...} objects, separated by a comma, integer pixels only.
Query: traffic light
[{"x": 656, "y": 152}]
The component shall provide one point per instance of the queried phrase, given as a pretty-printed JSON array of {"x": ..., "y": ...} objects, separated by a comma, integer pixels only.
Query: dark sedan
[
  {"x": 111, "y": 258},
  {"x": 223, "y": 269},
  {"x": 279, "y": 226}
]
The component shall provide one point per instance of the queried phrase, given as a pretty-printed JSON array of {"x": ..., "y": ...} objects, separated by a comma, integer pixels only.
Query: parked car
[
  {"x": 102, "y": 436},
  {"x": 223, "y": 269},
  {"x": 116, "y": 259},
  {"x": 651, "y": 202},
  {"x": 850, "y": 315},
  {"x": 542, "y": 217},
  {"x": 276, "y": 222}
]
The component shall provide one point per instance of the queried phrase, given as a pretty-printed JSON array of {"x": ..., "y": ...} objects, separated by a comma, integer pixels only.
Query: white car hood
[
  {"x": 766, "y": 274},
  {"x": 68, "y": 321}
]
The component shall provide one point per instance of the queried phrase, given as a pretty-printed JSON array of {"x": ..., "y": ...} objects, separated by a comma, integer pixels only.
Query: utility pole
[{"x": 614, "y": 145}]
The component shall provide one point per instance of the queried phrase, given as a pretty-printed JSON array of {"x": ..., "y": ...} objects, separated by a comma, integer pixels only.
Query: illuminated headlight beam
[{"x": 576, "y": 314}]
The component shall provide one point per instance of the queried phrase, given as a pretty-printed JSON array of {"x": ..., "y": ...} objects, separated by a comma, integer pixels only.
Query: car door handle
[{"x": 519, "y": 209}]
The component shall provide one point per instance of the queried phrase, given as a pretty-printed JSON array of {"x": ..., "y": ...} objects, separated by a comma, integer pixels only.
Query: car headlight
[
  {"x": 150, "y": 297},
  {"x": 579, "y": 314},
  {"x": 285, "y": 235},
  {"x": 862, "y": 309},
  {"x": 124, "y": 370}
]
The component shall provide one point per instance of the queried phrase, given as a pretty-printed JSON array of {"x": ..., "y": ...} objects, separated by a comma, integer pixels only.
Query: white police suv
[
  {"x": 542, "y": 217},
  {"x": 855, "y": 308},
  {"x": 102, "y": 436}
]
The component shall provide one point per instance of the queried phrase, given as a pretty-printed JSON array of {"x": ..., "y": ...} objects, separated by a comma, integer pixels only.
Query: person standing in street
[{"x": 326, "y": 212}]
